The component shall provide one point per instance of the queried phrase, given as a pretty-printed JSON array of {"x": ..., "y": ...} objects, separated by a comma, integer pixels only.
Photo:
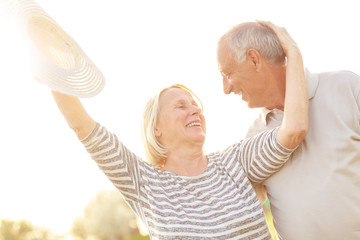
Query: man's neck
[{"x": 278, "y": 79}]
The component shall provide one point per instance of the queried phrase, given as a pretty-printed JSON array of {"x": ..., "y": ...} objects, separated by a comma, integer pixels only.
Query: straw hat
[{"x": 57, "y": 60}]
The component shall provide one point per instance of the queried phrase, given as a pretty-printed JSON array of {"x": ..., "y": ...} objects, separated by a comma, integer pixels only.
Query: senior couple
[{"x": 303, "y": 152}]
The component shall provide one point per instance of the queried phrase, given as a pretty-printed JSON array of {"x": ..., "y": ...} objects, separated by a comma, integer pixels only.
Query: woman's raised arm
[
  {"x": 75, "y": 114},
  {"x": 295, "y": 123}
]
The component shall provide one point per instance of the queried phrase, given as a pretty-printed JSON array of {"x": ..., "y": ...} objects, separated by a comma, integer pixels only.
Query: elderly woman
[{"x": 184, "y": 193}]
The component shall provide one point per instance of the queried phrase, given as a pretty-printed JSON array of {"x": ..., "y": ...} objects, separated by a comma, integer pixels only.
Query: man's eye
[{"x": 227, "y": 75}]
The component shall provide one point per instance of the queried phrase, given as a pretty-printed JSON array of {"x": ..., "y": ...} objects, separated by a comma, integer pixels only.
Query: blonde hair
[
  {"x": 251, "y": 35},
  {"x": 154, "y": 150}
]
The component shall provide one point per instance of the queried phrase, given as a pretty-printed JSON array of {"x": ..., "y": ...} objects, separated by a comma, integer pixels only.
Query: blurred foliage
[
  {"x": 269, "y": 219},
  {"x": 23, "y": 230},
  {"x": 107, "y": 217},
  {"x": 139, "y": 237}
]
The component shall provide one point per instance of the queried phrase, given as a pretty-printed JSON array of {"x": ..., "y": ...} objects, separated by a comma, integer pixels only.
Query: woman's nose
[{"x": 196, "y": 110}]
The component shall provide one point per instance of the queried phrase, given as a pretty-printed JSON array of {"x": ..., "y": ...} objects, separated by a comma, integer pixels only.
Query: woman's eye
[{"x": 182, "y": 106}]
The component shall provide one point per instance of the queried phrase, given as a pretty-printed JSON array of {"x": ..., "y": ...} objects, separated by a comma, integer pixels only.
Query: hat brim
[{"x": 57, "y": 60}]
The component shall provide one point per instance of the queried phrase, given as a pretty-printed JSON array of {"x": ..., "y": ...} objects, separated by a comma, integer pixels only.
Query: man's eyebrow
[{"x": 224, "y": 71}]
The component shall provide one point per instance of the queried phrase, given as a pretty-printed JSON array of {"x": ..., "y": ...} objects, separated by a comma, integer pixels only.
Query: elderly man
[{"x": 316, "y": 195}]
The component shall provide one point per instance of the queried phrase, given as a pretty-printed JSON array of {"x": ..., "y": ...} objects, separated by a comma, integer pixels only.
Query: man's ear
[{"x": 254, "y": 59}]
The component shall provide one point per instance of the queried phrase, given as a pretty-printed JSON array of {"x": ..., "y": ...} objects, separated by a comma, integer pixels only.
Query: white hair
[{"x": 251, "y": 35}]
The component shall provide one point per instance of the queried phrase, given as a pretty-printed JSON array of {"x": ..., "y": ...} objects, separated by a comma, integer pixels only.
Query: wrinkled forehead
[
  {"x": 225, "y": 58},
  {"x": 178, "y": 93},
  {"x": 174, "y": 94}
]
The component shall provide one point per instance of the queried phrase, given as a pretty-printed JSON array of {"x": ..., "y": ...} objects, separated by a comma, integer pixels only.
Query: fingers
[
  {"x": 284, "y": 37},
  {"x": 275, "y": 28},
  {"x": 266, "y": 23}
]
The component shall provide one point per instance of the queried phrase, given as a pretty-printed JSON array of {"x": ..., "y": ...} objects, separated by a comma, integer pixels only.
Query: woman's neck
[{"x": 186, "y": 164}]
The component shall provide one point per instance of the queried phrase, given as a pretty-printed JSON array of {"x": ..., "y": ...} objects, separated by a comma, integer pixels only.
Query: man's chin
[{"x": 252, "y": 105}]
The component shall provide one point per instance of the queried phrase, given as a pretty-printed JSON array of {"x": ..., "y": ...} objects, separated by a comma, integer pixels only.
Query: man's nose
[{"x": 226, "y": 85}]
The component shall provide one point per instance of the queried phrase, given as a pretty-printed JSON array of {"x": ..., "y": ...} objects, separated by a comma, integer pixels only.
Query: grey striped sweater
[{"x": 219, "y": 203}]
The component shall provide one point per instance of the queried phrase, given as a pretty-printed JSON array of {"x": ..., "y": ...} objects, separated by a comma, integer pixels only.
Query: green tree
[
  {"x": 106, "y": 217},
  {"x": 23, "y": 230}
]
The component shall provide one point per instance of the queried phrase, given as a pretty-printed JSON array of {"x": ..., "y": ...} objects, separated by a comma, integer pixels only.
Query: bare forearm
[
  {"x": 295, "y": 122},
  {"x": 75, "y": 114}
]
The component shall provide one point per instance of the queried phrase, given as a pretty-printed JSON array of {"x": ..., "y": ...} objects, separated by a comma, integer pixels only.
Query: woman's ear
[
  {"x": 157, "y": 132},
  {"x": 254, "y": 59}
]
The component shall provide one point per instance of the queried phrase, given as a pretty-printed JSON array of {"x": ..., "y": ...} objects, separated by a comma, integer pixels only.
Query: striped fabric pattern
[{"x": 219, "y": 203}]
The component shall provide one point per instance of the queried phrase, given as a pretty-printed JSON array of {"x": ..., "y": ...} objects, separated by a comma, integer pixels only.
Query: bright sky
[{"x": 140, "y": 46}]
